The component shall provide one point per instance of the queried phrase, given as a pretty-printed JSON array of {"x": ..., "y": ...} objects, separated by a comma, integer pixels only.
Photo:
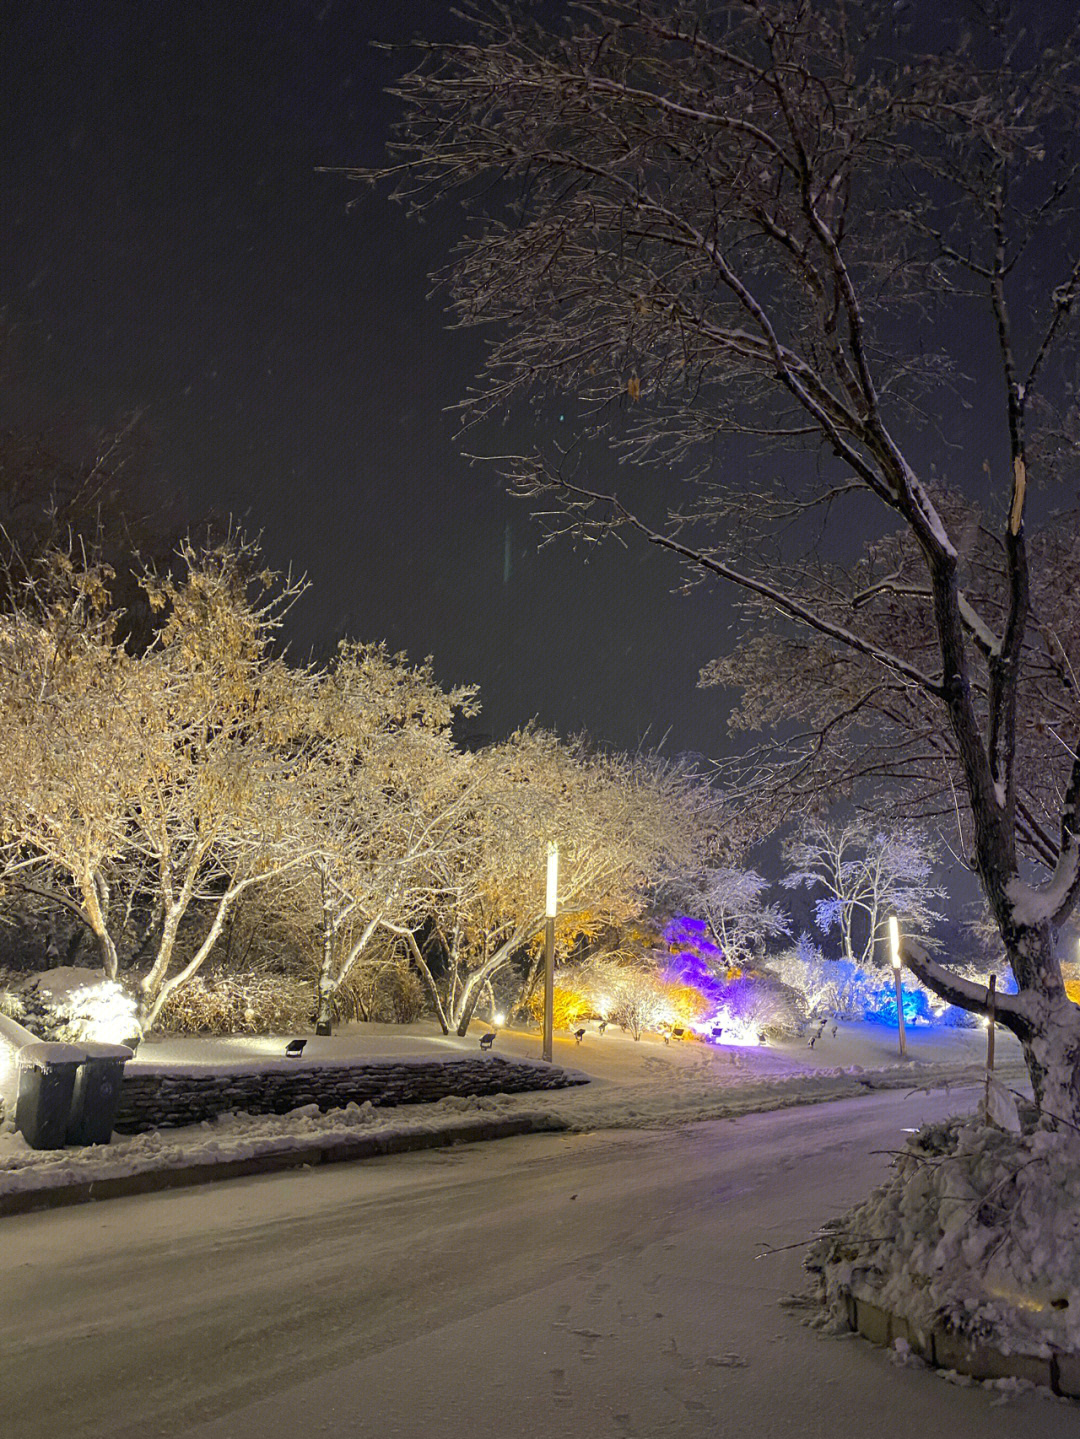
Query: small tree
[
  {"x": 158, "y": 779},
  {"x": 731, "y": 904},
  {"x": 867, "y": 876}
]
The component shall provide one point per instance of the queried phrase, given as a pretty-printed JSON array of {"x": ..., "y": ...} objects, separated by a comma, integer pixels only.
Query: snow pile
[
  {"x": 977, "y": 1231},
  {"x": 235, "y": 1136}
]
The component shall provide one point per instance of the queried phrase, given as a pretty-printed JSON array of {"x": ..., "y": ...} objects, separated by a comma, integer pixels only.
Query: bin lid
[
  {"x": 98, "y": 1049},
  {"x": 47, "y": 1055}
]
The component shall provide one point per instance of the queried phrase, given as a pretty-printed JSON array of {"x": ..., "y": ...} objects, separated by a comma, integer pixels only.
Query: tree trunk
[
  {"x": 326, "y": 982},
  {"x": 471, "y": 999},
  {"x": 1043, "y": 1018},
  {"x": 426, "y": 977},
  {"x": 1052, "y": 1055},
  {"x": 323, "y": 1006}
]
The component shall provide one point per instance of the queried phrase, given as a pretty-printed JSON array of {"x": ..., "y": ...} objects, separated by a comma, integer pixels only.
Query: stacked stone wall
[{"x": 162, "y": 1099}]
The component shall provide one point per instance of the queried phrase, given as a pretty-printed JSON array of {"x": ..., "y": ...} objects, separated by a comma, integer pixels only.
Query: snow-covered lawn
[
  {"x": 637, "y": 1085},
  {"x": 612, "y": 1055}
]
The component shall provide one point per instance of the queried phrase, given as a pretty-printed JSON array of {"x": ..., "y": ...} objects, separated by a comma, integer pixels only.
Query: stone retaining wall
[
  {"x": 946, "y": 1350},
  {"x": 160, "y": 1099}
]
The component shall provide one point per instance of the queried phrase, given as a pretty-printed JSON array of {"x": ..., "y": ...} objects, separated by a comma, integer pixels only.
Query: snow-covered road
[{"x": 606, "y": 1285}]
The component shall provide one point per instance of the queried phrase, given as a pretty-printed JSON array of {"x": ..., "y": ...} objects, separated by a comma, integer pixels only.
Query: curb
[
  {"x": 944, "y": 1349},
  {"x": 370, "y": 1146}
]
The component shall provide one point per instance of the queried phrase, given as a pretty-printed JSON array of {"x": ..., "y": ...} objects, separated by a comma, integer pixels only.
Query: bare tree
[
  {"x": 731, "y": 903},
  {"x": 867, "y": 875},
  {"x": 765, "y": 222}
]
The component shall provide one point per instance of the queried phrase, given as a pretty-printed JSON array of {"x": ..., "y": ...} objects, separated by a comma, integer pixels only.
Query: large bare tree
[{"x": 719, "y": 227}]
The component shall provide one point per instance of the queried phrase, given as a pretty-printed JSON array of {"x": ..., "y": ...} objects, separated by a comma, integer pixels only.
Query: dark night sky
[{"x": 166, "y": 245}]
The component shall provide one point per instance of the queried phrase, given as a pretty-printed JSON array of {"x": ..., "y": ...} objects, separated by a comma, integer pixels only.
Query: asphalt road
[{"x": 606, "y": 1285}]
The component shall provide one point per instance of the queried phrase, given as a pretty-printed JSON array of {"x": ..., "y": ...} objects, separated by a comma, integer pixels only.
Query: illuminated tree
[
  {"x": 621, "y": 824},
  {"x": 763, "y": 222},
  {"x": 393, "y": 801},
  {"x": 731, "y": 904},
  {"x": 160, "y": 778},
  {"x": 867, "y": 875}
]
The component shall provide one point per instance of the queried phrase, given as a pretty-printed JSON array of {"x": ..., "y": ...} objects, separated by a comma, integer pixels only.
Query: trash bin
[
  {"x": 96, "y": 1096},
  {"x": 46, "y": 1081}
]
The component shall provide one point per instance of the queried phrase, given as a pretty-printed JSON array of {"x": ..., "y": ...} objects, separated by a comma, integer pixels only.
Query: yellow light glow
[
  {"x": 552, "y": 908},
  {"x": 498, "y": 1017},
  {"x": 894, "y": 940}
]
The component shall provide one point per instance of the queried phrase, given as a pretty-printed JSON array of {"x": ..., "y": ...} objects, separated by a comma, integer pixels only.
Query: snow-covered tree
[
  {"x": 155, "y": 779},
  {"x": 731, "y": 903},
  {"x": 827, "y": 986},
  {"x": 767, "y": 222},
  {"x": 393, "y": 804},
  {"x": 622, "y": 824},
  {"x": 867, "y": 875}
]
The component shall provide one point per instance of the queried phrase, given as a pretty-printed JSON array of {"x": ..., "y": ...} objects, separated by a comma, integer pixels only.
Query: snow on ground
[
  {"x": 636, "y": 1085},
  {"x": 566, "y": 1286}
]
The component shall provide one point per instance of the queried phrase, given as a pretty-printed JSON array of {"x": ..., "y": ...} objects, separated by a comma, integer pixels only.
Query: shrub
[
  {"x": 70, "y": 1004},
  {"x": 387, "y": 992},
  {"x": 238, "y": 1004},
  {"x": 400, "y": 998},
  {"x": 571, "y": 1006}
]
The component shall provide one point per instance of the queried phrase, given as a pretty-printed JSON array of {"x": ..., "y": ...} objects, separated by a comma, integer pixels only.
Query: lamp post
[
  {"x": 894, "y": 949},
  {"x": 550, "y": 910}
]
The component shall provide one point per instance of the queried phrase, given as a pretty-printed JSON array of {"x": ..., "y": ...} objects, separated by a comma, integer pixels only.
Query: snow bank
[{"x": 976, "y": 1231}]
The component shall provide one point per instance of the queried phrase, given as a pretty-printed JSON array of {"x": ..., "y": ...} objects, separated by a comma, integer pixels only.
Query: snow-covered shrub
[
  {"x": 400, "y": 997},
  {"x": 237, "y": 1004},
  {"x": 103, "y": 1010},
  {"x": 571, "y": 1005},
  {"x": 826, "y": 986},
  {"x": 384, "y": 991},
  {"x": 70, "y": 1004},
  {"x": 763, "y": 1005},
  {"x": 976, "y": 1229},
  {"x": 12, "y": 1004},
  {"x": 639, "y": 1002}
]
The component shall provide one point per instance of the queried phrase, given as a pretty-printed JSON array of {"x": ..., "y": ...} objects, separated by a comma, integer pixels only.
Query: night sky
[{"x": 167, "y": 246}]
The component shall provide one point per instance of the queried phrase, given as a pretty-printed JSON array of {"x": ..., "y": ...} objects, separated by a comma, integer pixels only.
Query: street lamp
[
  {"x": 550, "y": 910},
  {"x": 894, "y": 949}
]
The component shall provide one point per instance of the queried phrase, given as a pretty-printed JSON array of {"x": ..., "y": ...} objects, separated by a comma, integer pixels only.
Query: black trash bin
[
  {"x": 46, "y": 1081},
  {"x": 96, "y": 1096}
]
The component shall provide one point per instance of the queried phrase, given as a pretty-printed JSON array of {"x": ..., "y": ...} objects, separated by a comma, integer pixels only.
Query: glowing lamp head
[
  {"x": 552, "y": 907},
  {"x": 894, "y": 941},
  {"x": 498, "y": 1017}
]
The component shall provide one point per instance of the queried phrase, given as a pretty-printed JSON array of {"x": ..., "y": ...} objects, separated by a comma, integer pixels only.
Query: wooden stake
[{"x": 991, "y": 1003}]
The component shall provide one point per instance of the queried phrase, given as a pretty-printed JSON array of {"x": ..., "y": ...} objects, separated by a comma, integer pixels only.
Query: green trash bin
[
  {"x": 46, "y": 1082},
  {"x": 96, "y": 1096}
]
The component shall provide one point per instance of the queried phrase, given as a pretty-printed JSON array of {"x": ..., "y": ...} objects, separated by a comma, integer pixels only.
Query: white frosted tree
[
  {"x": 731, "y": 902},
  {"x": 866, "y": 874},
  {"x": 156, "y": 777},
  {"x": 391, "y": 805}
]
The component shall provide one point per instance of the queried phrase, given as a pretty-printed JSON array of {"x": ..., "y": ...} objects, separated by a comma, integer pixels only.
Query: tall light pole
[
  {"x": 550, "y": 910},
  {"x": 894, "y": 949}
]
